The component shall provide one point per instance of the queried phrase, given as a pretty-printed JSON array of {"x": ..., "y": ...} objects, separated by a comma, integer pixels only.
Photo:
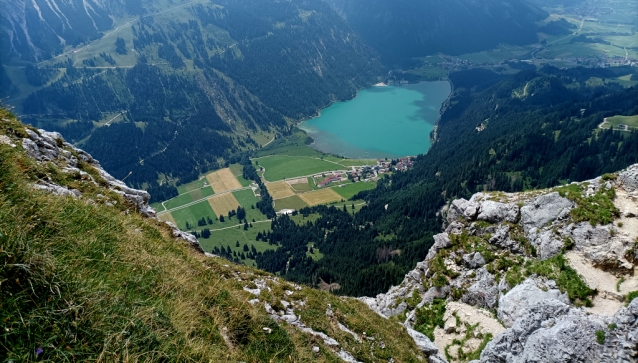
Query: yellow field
[
  {"x": 223, "y": 180},
  {"x": 321, "y": 196},
  {"x": 279, "y": 190},
  {"x": 166, "y": 217},
  {"x": 224, "y": 203}
]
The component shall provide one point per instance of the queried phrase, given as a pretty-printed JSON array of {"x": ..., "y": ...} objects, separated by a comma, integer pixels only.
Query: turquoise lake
[{"x": 390, "y": 121}]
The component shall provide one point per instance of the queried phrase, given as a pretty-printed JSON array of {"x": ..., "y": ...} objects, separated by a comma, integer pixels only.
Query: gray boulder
[
  {"x": 461, "y": 208},
  {"x": 544, "y": 209},
  {"x": 510, "y": 345},
  {"x": 484, "y": 292},
  {"x": 422, "y": 342},
  {"x": 501, "y": 238},
  {"x": 496, "y": 212},
  {"x": 629, "y": 178},
  {"x": 546, "y": 242},
  {"x": 520, "y": 299},
  {"x": 474, "y": 260}
]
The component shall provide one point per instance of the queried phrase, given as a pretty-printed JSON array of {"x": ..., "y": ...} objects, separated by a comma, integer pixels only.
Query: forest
[
  {"x": 547, "y": 138},
  {"x": 194, "y": 96}
]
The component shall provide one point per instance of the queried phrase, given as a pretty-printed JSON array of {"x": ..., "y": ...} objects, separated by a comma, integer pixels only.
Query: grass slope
[{"x": 84, "y": 281}]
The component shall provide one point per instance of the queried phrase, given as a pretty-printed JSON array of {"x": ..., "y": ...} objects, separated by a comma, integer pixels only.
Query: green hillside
[{"x": 89, "y": 279}]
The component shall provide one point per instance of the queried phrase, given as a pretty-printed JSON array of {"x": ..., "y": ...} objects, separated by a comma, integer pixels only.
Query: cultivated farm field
[
  {"x": 223, "y": 203},
  {"x": 223, "y": 180},
  {"x": 279, "y": 190},
  {"x": 321, "y": 196}
]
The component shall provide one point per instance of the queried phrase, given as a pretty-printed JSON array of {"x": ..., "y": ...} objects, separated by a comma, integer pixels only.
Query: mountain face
[
  {"x": 414, "y": 28},
  {"x": 557, "y": 266},
  {"x": 37, "y": 29},
  {"x": 186, "y": 86}
]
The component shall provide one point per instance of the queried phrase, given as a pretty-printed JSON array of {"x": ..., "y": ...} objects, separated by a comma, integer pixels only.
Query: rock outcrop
[
  {"x": 50, "y": 147},
  {"x": 506, "y": 253}
]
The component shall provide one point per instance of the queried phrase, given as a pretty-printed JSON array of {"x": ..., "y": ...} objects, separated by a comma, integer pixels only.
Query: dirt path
[{"x": 466, "y": 314}]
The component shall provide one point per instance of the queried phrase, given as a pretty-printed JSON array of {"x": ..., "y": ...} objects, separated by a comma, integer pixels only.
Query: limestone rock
[
  {"x": 545, "y": 241},
  {"x": 57, "y": 189},
  {"x": 629, "y": 178},
  {"x": 544, "y": 209},
  {"x": 192, "y": 240},
  {"x": 462, "y": 208},
  {"x": 422, "y": 342},
  {"x": 521, "y": 298},
  {"x": 473, "y": 260},
  {"x": 496, "y": 212},
  {"x": 484, "y": 292}
]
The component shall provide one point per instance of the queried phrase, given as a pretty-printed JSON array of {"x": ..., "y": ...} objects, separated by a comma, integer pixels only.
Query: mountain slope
[
  {"x": 195, "y": 84},
  {"x": 414, "y": 28},
  {"x": 36, "y": 30},
  {"x": 88, "y": 274},
  {"x": 556, "y": 265}
]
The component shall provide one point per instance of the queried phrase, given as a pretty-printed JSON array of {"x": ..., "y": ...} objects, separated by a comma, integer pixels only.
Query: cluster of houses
[
  {"x": 366, "y": 172},
  {"x": 329, "y": 179}
]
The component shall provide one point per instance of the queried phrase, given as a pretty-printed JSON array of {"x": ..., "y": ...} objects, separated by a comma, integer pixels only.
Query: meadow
[
  {"x": 279, "y": 167},
  {"x": 349, "y": 190}
]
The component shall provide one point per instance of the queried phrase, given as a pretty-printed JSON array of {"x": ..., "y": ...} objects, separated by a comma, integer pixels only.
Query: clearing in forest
[
  {"x": 223, "y": 203},
  {"x": 279, "y": 190},
  {"x": 223, "y": 180},
  {"x": 321, "y": 196}
]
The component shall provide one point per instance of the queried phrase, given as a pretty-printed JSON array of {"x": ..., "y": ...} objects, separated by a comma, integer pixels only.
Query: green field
[
  {"x": 300, "y": 188},
  {"x": 631, "y": 121},
  {"x": 230, "y": 236},
  {"x": 293, "y": 202},
  {"x": 185, "y": 188},
  {"x": 192, "y": 214},
  {"x": 178, "y": 201},
  {"x": 351, "y": 189},
  {"x": 247, "y": 200},
  {"x": 279, "y": 167}
]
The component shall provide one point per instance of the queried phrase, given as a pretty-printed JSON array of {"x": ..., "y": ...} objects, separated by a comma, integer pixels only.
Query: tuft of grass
[
  {"x": 631, "y": 296},
  {"x": 597, "y": 209},
  {"x": 600, "y": 336},
  {"x": 567, "y": 279},
  {"x": 429, "y": 317}
]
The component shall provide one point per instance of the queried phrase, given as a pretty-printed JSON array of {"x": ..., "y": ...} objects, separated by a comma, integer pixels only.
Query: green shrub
[
  {"x": 429, "y": 317},
  {"x": 600, "y": 336}
]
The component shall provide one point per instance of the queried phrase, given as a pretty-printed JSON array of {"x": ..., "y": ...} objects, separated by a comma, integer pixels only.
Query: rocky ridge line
[{"x": 482, "y": 263}]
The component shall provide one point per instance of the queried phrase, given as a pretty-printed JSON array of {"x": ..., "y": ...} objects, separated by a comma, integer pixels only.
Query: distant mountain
[
  {"x": 188, "y": 83},
  {"x": 37, "y": 29},
  {"x": 411, "y": 28}
]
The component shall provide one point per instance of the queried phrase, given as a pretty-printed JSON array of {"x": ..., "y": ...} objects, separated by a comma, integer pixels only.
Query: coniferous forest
[{"x": 537, "y": 141}]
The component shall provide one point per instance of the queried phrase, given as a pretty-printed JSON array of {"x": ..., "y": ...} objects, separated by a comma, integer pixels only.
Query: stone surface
[
  {"x": 484, "y": 292},
  {"x": 473, "y": 260},
  {"x": 495, "y": 212},
  {"x": 628, "y": 178},
  {"x": 517, "y": 301},
  {"x": 544, "y": 209}
]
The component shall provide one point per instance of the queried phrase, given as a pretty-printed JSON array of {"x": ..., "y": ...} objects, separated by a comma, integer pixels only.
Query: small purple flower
[{"x": 39, "y": 351}]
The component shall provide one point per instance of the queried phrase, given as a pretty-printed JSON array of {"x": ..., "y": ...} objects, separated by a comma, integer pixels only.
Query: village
[{"x": 364, "y": 173}]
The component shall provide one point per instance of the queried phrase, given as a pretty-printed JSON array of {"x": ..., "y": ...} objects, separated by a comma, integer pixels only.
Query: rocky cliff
[{"x": 542, "y": 276}]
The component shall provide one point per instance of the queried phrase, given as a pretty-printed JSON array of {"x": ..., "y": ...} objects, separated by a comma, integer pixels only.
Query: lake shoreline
[{"x": 383, "y": 121}]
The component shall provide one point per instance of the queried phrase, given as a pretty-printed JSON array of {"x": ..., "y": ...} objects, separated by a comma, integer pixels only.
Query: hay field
[
  {"x": 223, "y": 180},
  {"x": 279, "y": 190},
  {"x": 224, "y": 203},
  {"x": 321, "y": 196}
]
